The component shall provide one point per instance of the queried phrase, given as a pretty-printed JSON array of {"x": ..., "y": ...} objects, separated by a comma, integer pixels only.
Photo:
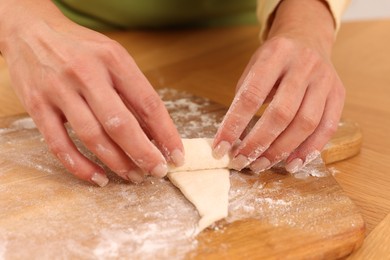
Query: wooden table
[{"x": 208, "y": 63}]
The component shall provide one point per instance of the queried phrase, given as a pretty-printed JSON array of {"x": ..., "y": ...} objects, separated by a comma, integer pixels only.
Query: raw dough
[
  {"x": 208, "y": 190},
  {"x": 198, "y": 156},
  {"x": 203, "y": 180}
]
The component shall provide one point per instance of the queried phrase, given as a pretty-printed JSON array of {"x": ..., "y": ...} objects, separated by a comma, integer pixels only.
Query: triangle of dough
[{"x": 207, "y": 190}]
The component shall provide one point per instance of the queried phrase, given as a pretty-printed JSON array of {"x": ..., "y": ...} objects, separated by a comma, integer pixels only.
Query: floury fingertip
[
  {"x": 261, "y": 164},
  {"x": 239, "y": 162},
  {"x": 177, "y": 157},
  {"x": 221, "y": 149},
  {"x": 160, "y": 170},
  {"x": 135, "y": 177},
  {"x": 294, "y": 166},
  {"x": 99, "y": 179}
]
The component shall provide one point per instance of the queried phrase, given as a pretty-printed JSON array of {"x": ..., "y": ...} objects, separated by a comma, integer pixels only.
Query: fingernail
[
  {"x": 260, "y": 165},
  {"x": 99, "y": 179},
  {"x": 135, "y": 177},
  {"x": 294, "y": 166},
  {"x": 160, "y": 170},
  {"x": 221, "y": 149},
  {"x": 177, "y": 157},
  {"x": 239, "y": 162}
]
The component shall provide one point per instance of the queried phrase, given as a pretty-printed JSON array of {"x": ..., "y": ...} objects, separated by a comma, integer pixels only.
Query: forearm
[{"x": 309, "y": 20}]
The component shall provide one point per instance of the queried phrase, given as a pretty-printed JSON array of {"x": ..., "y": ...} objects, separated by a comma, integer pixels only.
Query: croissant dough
[
  {"x": 203, "y": 180},
  {"x": 208, "y": 190}
]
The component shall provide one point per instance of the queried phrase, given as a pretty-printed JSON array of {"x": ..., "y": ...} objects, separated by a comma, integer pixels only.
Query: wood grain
[
  {"x": 377, "y": 244},
  {"x": 362, "y": 59}
]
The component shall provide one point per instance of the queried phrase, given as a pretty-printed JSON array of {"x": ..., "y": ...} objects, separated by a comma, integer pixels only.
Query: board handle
[{"x": 345, "y": 143}]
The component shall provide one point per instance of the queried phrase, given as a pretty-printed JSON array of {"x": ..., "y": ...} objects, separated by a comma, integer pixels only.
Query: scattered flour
[
  {"x": 198, "y": 117},
  {"x": 73, "y": 219},
  {"x": 23, "y": 123},
  {"x": 333, "y": 170},
  {"x": 113, "y": 122}
]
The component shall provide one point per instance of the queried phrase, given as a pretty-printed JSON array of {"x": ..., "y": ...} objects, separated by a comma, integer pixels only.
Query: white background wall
[{"x": 367, "y": 9}]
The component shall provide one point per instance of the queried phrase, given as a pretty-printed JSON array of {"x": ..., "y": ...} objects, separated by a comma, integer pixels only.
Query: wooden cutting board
[{"x": 46, "y": 213}]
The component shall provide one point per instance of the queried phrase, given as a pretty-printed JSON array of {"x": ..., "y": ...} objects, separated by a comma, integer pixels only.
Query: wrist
[
  {"x": 5, "y": 22},
  {"x": 19, "y": 18},
  {"x": 310, "y": 21}
]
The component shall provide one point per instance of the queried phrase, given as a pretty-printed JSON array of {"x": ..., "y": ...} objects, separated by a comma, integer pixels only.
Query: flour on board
[{"x": 145, "y": 221}]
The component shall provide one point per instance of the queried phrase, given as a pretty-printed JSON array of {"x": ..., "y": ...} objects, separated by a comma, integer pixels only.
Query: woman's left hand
[{"x": 293, "y": 70}]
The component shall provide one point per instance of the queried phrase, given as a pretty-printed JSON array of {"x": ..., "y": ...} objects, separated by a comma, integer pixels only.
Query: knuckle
[
  {"x": 327, "y": 73},
  {"x": 112, "y": 46},
  {"x": 56, "y": 146},
  {"x": 116, "y": 124},
  {"x": 51, "y": 80},
  {"x": 72, "y": 67},
  {"x": 330, "y": 128},
  {"x": 282, "y": 43},
  {"x": 340, "y": 90},
  {"x": 151, "y": 106},
  {"x": 110, "y": 50},
  {"x": 308, "y": 123},
  {"x": 89, "y": 133},
  {"x": 311, "y": 57},
  {"x": 55, "y": 89},
  {"x": 292, "y": 84},
  {"x": 251, "y": 97},
  {"x": 78, "y": 71},
  {"x": 282, "y": 114},
  {"x": 34, "y": 106}
]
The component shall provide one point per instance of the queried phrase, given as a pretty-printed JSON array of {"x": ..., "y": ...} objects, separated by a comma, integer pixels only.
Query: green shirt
[{"x": 111, "y": 14}]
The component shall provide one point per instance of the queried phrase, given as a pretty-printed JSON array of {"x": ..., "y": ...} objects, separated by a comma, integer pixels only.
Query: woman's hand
[
  {"x": 293, "y": 70},
  {"x": 63, "y": 72}
]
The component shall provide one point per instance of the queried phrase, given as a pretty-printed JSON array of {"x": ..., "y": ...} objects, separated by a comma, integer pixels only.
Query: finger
[
  {"x": 173, "y": 152},
  {"x": 302, "y": 126},
  {"x": 122, "y": 127},
  {"x": 246, "y": 70},
  {"x": 148, "y": 108},
  {"x": 52, "y": 128},
  {"x": 312, "y": 146},
  {"x": 255, "y": 88},
  {"x": 274, "y": 121},
  {"x": 93, "y": 136}
]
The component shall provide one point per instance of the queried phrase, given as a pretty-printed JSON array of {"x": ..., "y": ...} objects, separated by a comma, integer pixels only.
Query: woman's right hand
[{"x": 63, "y": 72}]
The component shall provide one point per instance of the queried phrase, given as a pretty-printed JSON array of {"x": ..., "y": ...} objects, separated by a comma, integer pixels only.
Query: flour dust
[{"x": 47, "y": 213}]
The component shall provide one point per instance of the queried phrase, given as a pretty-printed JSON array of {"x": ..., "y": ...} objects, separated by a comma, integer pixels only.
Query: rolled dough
[
  {"x": 208, "y": 190},
  {"x": 203, "y": 180}
]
